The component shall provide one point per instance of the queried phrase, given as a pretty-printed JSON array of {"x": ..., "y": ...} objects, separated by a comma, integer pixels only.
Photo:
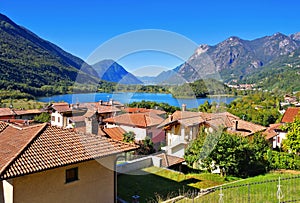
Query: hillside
[
  {"x": 111, "y": 71},
  {"x": 36, "y": 66},
  {"x": 280, "y": 75}
]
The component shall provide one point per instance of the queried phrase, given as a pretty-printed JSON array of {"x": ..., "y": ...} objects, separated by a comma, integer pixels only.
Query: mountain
[
  {"x": 164, "y": 78},
  {"x": 282, "y": 74},
  {"x": 236, "y": 58},
  {"x": 110, "y": 70},
  {"x": 33, "y": 65}
]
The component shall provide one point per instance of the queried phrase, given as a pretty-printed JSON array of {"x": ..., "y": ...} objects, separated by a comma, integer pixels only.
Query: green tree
[
  {"x": 205, "y": 107},
  {"x": 42, "y": 118},
  {"x": 233, "y": 154},
  {"x": 129, "y": 137},
  {"x": 292, "y": 141}
]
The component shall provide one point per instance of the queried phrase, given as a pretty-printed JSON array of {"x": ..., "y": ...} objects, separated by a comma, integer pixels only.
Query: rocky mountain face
[
  {"x": 110, "y": 70},
  {"x": 235, "y": 58}
]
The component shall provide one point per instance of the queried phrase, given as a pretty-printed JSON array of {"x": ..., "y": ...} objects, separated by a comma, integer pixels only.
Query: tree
[
  {"x": 233, "y": 154},
  {"x": 292, "y": 141},
  {"x": 129, "y": 137},
  {"x": 205, "y": 107},
  {"x": 42, "y": 118},
  {"x": 146, "y": 147}
]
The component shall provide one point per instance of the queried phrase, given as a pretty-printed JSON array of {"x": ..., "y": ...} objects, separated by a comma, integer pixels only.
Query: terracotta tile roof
[
  {"x": 191, "y": 121},
  {"x": 144, "y": 110},
  {"x": 136, "y": 110},
  {"x": 6, "y": 112},
  {"x": 179, "y": 115},
  {"x": 26, "y": 112},
  {"x": 215, "y": 120},
  {"x": 42, "y": 147},
  {"x": 290, "y": 114},
  {"x": 271, "y": 130},
  {"x": 61, "y": 107},
  {"x": 13, "y": 141},
  {"x": 246, "y": 128},
  {"x": 82, "y": 129},
  {"x": 115, "y": 133},
  {"x": 138, "y": 120},
  {"x": 184, "y": 114},
  {"x": 3, "y": 125},
  {"x": 107, "y": 109},
  {"x": 169, "y": 160}
]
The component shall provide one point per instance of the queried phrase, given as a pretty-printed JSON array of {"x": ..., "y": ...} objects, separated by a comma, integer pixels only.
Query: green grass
[
  {"x": 22, "y": 104},
  {"x": 249, "y": 190},
  {"x": 153, "y": 184}
]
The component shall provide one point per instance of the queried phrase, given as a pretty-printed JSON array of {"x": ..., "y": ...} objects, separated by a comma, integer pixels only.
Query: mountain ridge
[
  {"x": 111, "y": 71},
  {"x": 33, "y": 65}
]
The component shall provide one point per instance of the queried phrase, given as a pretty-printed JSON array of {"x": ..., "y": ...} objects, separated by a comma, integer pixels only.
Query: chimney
[
  {"x": 183, "y": 107},
  {"x": 170, "y": 118},
  {"x": 91, "y": 125},
  {"x": 235, "y": 127},
  {"x": 111, "y": 102}
]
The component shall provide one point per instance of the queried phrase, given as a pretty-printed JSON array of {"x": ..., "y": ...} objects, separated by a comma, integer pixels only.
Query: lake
[{"x": 129, "y": 97}]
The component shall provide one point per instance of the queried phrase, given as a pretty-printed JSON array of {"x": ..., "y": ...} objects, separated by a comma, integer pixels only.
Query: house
[
  {"x": 8, "y": 113},
  {"x": 274, "y": 133},
  {"x": 180, "y": 128},
  {"x": 290, "y": 114},
  {"x": 183, "y": 126},
  {"x": 60, "y": 114},
  {"x": 142, "y": 124},
  {"x": 43, "y": 163},
  {"x": 27, "y": 114},
  {"x": 104, "y": 109}
]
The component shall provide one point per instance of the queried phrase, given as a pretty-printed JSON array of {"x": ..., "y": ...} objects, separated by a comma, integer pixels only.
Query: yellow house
[{"x": 42, "y": 164}]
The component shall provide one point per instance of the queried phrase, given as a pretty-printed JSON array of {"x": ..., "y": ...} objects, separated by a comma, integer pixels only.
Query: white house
[{"x": 142, "y": 124}]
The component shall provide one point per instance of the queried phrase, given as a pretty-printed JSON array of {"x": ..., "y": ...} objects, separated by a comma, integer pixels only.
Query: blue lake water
[{"x": 129, "y": 97}]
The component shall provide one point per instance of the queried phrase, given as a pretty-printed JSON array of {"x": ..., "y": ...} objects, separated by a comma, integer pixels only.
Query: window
[
  {"x": 53, "y": 118},
  {"x": 58, "y": 119},
  {"x": 71, "y": 175}
]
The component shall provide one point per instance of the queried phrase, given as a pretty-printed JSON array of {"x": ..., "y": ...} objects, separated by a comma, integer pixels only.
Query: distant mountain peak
[
  {"x": 110, "y": 70},
  {"x": 296, "y": 36},
  {"x": 235, "y": 58}
]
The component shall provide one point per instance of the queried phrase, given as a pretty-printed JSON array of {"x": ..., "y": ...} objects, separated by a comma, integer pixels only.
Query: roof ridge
[{"x": 22, "y": 149}]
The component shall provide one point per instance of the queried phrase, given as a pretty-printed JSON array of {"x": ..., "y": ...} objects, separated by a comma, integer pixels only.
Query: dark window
[
  {"x": 71, "y": 175},
  {"x": 53, "y": 118},
  {"x": 58, "y": 119}
]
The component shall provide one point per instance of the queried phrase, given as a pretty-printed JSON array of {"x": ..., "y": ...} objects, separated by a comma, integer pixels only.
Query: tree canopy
[{"x": 233, "y": 154}]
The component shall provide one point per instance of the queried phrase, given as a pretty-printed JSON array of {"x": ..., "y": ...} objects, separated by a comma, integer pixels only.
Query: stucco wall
[
  {"x": 95, "y": 184},
  {"x": 56, "y": 123}
]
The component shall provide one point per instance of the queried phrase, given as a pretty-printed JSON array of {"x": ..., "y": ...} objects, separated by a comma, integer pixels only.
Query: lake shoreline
[{"x": 129, "y": 97}]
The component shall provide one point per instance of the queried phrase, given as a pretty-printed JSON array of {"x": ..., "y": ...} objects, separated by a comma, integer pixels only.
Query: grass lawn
[
  {"x": 23, "y": 104},
  {"x": 258, "y": 189},
  {"x": 153, "y": 184}
]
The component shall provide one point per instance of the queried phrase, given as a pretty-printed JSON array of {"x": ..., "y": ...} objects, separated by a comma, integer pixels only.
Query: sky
[{"x": 80, "y": 27}]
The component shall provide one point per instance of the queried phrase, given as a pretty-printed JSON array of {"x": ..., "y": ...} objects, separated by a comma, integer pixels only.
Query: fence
[{"x": 277, "y": 190}]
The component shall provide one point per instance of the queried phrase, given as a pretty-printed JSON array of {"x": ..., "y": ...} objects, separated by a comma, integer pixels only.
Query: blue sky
[{"x": 80, "y": 27}]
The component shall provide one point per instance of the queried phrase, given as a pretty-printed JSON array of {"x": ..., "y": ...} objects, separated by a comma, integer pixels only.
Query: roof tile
[
  {"x": 290, "y": 114},
  {"x": 42, "y": 147}
]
